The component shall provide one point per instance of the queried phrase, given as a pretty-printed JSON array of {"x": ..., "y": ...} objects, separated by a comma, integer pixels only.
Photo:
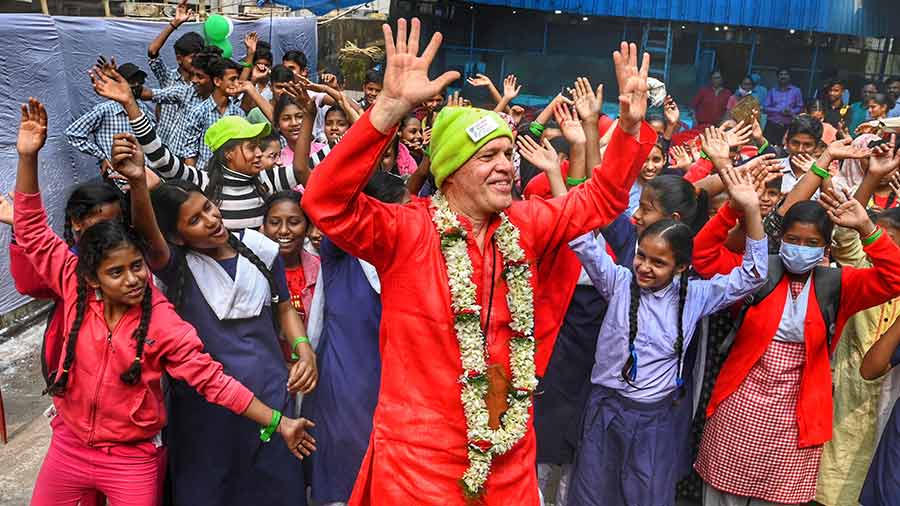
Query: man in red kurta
[{"x": 418, "y": 449}]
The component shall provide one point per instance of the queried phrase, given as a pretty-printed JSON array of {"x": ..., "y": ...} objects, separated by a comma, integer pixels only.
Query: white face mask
[{"x": 800, "y": 259}]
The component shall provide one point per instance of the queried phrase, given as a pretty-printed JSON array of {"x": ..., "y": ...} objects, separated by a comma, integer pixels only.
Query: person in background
[
  {"x": 801, "y": 141},
  {"x": 835, "y": 109},
  {"x": 297, "y": 62},
  {"x": 759, "y": 90},
  {"x": 880, "y": 106},
  {"x": 782, "y": 103},
  {"x": 892, "y": 86},
  {"x": 859, "y": 111},
  {"x": 744, "y": 90},
  {"x": 711, "y": 102},
  {"x": 93, "y": 132},
  {"x": 818, "y": 109},
  {"x": 371, "y": 88}
]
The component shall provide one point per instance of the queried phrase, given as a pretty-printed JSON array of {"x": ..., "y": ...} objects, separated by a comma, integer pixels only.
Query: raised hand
[
  {"x": 632, "y": 87},
  {"x": 844, "y": 149},
  {"x": 426, "y": 136},
  {"x": 32, "y": 128},
  {"x": 127, "y": 157},
  {"x": 569, "y": 124},
  {"x": 329, "y": 80},
  {"x": 542, "y": 156},
  {"x": 883, "y": 160},
  {"x": 455, "y": 100},
  {"x": 588, "y": 103},
  {"x": 480, "y": 81},
  {"x": 740, "y": 188},
  {"x": 762, "y": 169},
  {"x": 757, "y": 132},
  {"x": 846, "y": 212},
  {"x": 296, "y": 437},
  {"x": 183, "y": 14},
  {"x": 682, "y": 158},
  {"x": 894, "y": 182},
  {"x": 108, "y": 83},
  {"x": 803, "y": 161},
  {"x": 297, "y": 91},
  {"x": 715, "y": 144},
  {"x": 406, "y": 82},
  {"x": 671, "y": 111},
  {"x": 739, "y": 135},
  {"x": 250, "y": 41},
  {"x": 6, "y": 209},
  {"x": 511, "y": 87}
]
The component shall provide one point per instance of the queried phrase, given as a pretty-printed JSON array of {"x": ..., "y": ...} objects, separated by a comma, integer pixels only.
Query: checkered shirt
[
  {"x": 93, "y": 132},
  {"x": 197, "y": 121},
  {"x": 175, "y": 97}
]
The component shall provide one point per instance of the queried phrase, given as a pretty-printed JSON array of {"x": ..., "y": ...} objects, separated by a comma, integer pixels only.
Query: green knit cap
[{"x": 458, "y": 133}]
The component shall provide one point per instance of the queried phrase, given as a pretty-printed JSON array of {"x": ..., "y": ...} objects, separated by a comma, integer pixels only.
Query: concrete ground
[{"x": 29, "y": 431}]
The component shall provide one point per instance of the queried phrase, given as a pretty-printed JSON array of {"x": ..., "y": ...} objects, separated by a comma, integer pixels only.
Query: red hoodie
[{"x": 97, "y": 406}]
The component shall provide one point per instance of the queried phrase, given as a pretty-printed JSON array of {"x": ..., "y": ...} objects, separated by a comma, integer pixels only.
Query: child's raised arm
[{"x": 882, "y": 355}]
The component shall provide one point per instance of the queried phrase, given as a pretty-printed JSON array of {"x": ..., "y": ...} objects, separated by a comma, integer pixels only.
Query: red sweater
[
  {"x": 98, "y": 407},
  {"x": 860, "y": 289},
  {"x": 417, "y": 452}
]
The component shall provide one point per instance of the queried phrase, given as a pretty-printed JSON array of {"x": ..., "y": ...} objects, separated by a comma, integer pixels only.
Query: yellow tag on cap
[{"x": 482, "y": 128}]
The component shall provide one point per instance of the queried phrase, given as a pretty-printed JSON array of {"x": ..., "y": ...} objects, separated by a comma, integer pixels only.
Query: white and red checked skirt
[{"x": 749, "y": 446}]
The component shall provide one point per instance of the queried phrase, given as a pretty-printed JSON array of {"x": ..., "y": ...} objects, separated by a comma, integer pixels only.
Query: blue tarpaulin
[
  {"x": 318, "y": 7},
  {"x": 48, "y": 58}
]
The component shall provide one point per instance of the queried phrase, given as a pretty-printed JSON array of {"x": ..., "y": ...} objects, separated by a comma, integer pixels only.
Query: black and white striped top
[{"x": 241, "y": 204}]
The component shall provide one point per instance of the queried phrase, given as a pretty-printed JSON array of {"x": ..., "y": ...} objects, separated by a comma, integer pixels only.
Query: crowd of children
[{"x": 712, "y": 309}]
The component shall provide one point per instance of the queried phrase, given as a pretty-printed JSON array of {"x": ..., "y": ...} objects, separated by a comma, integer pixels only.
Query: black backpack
[{"x": 827, "y": 290}]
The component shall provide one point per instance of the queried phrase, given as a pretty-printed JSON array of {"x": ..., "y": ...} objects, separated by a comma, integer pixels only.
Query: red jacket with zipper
[
  {"x": 97, "y": 406},
  {"x": 860, "y": 289}
]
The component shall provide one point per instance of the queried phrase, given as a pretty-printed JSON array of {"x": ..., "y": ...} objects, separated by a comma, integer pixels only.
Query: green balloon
[
  {"x": 224, "y": 45},
  {"x": 217, "y": 27}
]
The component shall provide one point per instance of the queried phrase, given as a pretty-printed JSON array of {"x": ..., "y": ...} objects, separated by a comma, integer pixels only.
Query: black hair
[
  {"x": 681, "y": 242},
  {"x": 218, "y": 67},
  {"x": 809, "y": 211},
  {"x": 280, "y": 105},
  {"x": 774, "y": 183},
  {"x": 337, "y": 109},
  {"x": 83, "y": 202},
  {"x": 291, "y": 195},
  {"x": 189, "y": 43},
  {"x": 93, "y": 247},
  {"x": 373, "y": 76},
  {"x": 883, "y": 99},
  {"x": 782, "y": 69},
  {"x": 167, "y": 200},
  {"x": 207, "y": 58},
  {"x": 815, "y": 105},
  {"x": 890, "y": 80},
  {"x": 263, "y": 53},
  {"x": 337, "y": 73},
  {"x": 281, "y": 74},
  {"x": 214, "y": 169},
  {"x": 385, "y": 187},
  {"x": 297, "y": 57},
  {"x": 269, "y": 139},
  {"x": 805, "y": 124},
  {"x": 891, "y": 216},
  {"x": 676, "y": 195}
]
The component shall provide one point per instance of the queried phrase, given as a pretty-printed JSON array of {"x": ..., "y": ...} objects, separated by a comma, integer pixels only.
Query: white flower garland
[{"x": 484, "y": 442}]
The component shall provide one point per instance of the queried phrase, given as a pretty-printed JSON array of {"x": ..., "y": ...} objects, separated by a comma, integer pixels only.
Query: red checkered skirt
[{"x": 749, "y": 446}]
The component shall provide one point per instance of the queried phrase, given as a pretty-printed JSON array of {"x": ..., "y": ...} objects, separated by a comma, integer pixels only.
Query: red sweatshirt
[
  {"x": 860, "y": 289},
  {"x": 98, "y": 406},
  {"x": 418, "y": 448}
]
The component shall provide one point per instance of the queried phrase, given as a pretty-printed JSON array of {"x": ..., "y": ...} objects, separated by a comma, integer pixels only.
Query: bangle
[
  {"x": 536, "y": 128},
  {"x": 265, "y": 433},
  {"x": 819, "y": 171},
  {"x": 763, "y": 147},
  {"x": 575, "y": 181},
  {"x": 704, "y": 155},
  {"x": 299, "y": 340},
  {"x": 874, "y": 236},
  {"x": 245, "y": 64}
]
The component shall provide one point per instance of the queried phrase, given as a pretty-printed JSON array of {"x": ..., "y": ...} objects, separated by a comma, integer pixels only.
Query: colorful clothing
[
  {"x": 301, "y": 283},
  {"x": 779, "y": 100},
  {"x": 710, "y": 105},
  {"x": 198, "y": 119},
  {"x": 93, "y": 132},
  {"x": 419, "y": 435},
  {"x": 882, "y": 485}
]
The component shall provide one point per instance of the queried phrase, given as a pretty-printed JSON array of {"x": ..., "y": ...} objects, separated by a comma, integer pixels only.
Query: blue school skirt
[
  {"x": 630, "y": 451},
  {"x": 882, "y": 486}
]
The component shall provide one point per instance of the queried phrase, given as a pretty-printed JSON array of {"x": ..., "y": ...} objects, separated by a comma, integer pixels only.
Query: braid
[
  {"x": 682, "y": 297},
  {"x": 133, "y": 374},
  {"x": 247, "y": 253},
  {"x": 68, "y": 235},
  {"x": 216, "y": 181},
  {"x": 261, "y": 188},
  {"x": 58, "y": 388},
  {"x": 176, "y": 293},
  {"x": 630, "y": 363}
]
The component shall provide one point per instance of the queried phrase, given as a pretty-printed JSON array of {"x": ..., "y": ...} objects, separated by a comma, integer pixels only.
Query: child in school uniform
[
  {"x": 771, "y": 408},
  {"x": 637, "y": 421},
  {"x": 122, "y": 336},
  {"x": 231, "y": 287}
]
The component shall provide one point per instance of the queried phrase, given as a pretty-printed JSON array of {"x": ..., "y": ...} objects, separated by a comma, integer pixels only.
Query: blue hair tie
[{"x": 634, "y": 360}]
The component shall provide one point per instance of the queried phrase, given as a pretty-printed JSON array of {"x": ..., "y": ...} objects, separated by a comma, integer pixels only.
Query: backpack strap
[{"x": 827, "y": 284}]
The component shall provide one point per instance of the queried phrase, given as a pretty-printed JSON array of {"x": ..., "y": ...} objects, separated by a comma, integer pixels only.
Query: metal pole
[
  {"x": 752, "y": 53},
  {"x": 472, "y": 38},
  {"x": 546, "y": 35},
  {"x": 812, "y": 67}
]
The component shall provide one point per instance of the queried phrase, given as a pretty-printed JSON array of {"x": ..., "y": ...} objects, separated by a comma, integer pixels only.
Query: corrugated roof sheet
[{"x": 870, "y": 18}]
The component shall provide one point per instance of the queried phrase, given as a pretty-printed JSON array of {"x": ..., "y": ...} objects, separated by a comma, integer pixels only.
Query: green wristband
[
  {"x": 536, "y": 128},
  {"x": 245, "y": 64},
  {"x": 873, "y": 237},
  {"x": 265, "y": 433},
  {"x": 819, "y": 171},
  {"x": 704, "y": 155},
  {"x": 765, "y": 146},
  {"x": 299, "y": 340},
  {"x": 575, "y": 181}
]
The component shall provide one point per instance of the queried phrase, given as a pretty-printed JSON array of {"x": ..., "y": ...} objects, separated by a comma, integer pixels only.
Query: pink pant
[{"x": 129, "y": 475}]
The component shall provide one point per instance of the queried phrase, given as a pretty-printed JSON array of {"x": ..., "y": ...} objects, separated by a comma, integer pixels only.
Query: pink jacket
[{"x": 98, "y": 407}]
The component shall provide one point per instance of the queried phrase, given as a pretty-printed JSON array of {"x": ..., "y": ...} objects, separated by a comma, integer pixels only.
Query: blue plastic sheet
[
  {"x": 317, "y": 7},
  {"x": 48, "y": 58}
]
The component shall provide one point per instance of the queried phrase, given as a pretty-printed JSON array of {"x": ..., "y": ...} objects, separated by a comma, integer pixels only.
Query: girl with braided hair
[
  {"x": 232, "y": 288},
  {"x": 122, "y": 335},
  {"x": 636, "y": 421}
]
